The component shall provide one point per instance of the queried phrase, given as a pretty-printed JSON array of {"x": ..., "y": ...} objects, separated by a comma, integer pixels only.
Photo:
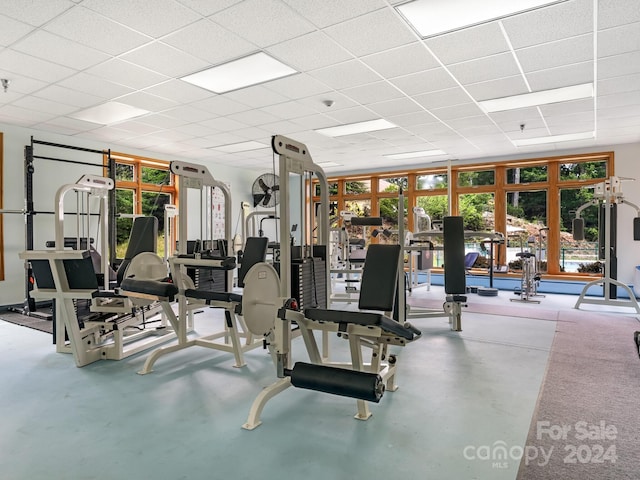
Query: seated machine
[
  {"x": 270, "y": 311},
  {"x": 190, "y": 298}
]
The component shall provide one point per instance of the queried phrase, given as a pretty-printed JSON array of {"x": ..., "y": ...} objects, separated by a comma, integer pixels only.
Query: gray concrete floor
[{"x": 458, "y": 392}]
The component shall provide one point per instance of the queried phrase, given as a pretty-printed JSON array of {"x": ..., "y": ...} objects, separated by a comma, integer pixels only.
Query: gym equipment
[
  {"x": 67, "y": 276},
  {"x": 191, "y": 176},
  {"x": 269, "y": 309},
  {"x": 607, "y": 195},
  {"x": 530, "y": 279},
  {"x": 636, "y": 339}
]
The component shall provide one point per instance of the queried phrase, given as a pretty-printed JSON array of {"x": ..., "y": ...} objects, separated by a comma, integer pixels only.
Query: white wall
[{"x": 49, "y": 176}]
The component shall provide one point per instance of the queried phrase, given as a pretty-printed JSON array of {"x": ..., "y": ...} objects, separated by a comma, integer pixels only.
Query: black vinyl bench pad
[
  {"x": 149, "y": 287},
  {"x": 366, "y": 319},
  {"x": 213, "y": 296}
]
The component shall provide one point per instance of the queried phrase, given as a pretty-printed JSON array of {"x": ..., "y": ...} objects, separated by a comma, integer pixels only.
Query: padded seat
[
  {"x": 150, "y": 287},
  {"x": 213, "y": 296},
  {"x": 226, "y": 263},
  {"x": 365, "y": 319}
]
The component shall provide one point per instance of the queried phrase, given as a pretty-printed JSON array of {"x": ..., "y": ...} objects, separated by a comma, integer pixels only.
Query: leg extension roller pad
[{"x": 338, "y": 381}]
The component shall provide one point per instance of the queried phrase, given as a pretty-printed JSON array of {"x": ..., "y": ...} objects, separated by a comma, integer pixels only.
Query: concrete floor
[{"x": 458, "y": 392}]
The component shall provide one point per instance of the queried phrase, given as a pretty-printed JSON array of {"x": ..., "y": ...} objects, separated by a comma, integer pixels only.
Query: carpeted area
[
  {"x": 586, "y": 424},
  {"x": 26, "y": 321}
]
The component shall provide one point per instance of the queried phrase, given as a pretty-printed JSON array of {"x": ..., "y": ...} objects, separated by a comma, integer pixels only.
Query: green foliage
[
  {"x": 352, "y": 188},
  {"x": 468, "y": 179},
  {"x": 592, "y": 267},
  {"x": 583, "y": 170},
  {"x": 435, "y": 206},
  {"x": 472, "y": 206}
]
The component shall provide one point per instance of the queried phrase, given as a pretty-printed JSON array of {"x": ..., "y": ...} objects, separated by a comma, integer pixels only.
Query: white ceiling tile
[
  {"x": 207, "y": 7},
  {"x": 313, "y": 122},
  {"x": 483, "y": 69},
  {"x": 283, "y": 127},
  {"x": 164, "y": 17},
  {"x": 26, "y": 116},
  {"x": 582, "y": 106},
  {"x": 127, "y": 74},
  {"x": 188, "y": 113},
  {"x": 289, "y": 110},
  {"x": 457, "y": 111},
  {"x": 556, "y": 54},
  {"x": 309, "y": 52},
  {"x": 619, "y": 99},
  {"x": 137, "y": 127},
  {"x": 146, "y": 101},
  {"x": 612, "y": 13},
  {"x": 622, "y": 84},
  {"x": 195, "y": 130},
  {"x": 253, "y": 117},
  {"x": 72, "y": 124},
  {"x": 297, "y": 86},
  {"x": 401, "y": 61},
  {"x": 164, "y": 59},
  {"x": 511, "y": 119},
  {"x": 563, "y": 126},
  {"x": 339, "y": 100},
  {"x": 442, "y": 98},
  {"x": 36, "y": 15},
  {"x": 12, "y": 30},
  {"x": 615, "y": 41},
  {"x": 93, "y": 30},
  {"x": 20, "y": 85},
  {"x": 256, "y": 96},
  {"x": 362, "y": 35},
  {"x": 344, "y": 75},
  {"x": 68, "y": 96},
  {"x": 619, "y": 65},
  {"x": 334, "y": 11},
  {"x": 92, "y": 85},
  {"x": 552, "y": 23},
  {"x": 372, "y": 92},
  {"x": 163, "y": 121},
  {"x": 424, "y": 82},
  {"x": 564, "y": 76},
  {"x": 275, "y": 23},
  {"x": 475, "y": 42},
  {"x": 32, "y": 67},
  {"x": 352, "y": 115},
  {"x": 502, "y": 87},
  {"x": 224, "y": 124},
  {"x": 228, "y": 45},
  {"x": 408, "y": 120},
  {"x": 220, "y": 105},
  {"x": 395, "y": 107}
]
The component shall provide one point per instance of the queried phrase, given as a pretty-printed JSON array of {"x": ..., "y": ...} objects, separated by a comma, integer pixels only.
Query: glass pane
[
  {"x": 125, "y": 172},
  {"x": 527, "y": 227},
  {"x": 392, "y": 184},
  {"x": 333, "y": 188},
  {"x": 435, "y": 206},
  {"x": 124, "y": 201},
  {"x": 472, "y": 179},
  {"x": 578, "y": 256},
  {"x": 477, "y": 209},
  {"x": 527, "y": 174},
  {"x": 583, "y": 170},
  {"x": 153, "y": 206},
  {"x": 389, "y": 214},
  {"x": 356, "y": 187},
  {"x": 156, "y": 176},
  {"x": 123, "y": 230},
  {"x": 430, "y": 182}
]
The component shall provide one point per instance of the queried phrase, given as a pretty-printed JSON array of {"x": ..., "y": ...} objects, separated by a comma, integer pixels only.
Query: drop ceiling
[{"x": 361, "y": 57}]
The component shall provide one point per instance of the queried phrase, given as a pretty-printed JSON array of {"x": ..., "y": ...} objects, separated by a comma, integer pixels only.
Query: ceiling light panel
[
  {"x": 354, "y": 128},
  {"x": 240, "y": 147},
  {"x": 544, "y": 97},
  {"x": 109, "y": 113},
  {"x": 420, "y": 154},
  {"x": 435, "y": 17},
  {"x": 525, "y": 142},
  {"x": 244, "y": 72}
]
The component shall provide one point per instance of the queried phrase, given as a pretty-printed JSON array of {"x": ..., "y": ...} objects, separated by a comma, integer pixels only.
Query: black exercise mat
[{"x": 26, "y": 321}]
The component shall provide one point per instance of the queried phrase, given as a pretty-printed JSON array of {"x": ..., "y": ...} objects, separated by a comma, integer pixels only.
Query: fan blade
[
  {"x": 275, "y": 188},
  {"x": 267, "y": 199},
  {"x": 263, "y": 185},
  {"x": 257, "y": 198}
]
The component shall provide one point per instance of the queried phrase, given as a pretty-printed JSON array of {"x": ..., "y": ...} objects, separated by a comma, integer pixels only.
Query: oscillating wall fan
[{"x": 265, "y": 190}]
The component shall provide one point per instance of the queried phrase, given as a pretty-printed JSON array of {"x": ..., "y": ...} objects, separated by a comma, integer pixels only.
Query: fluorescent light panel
[
  {"x": 423, "y": 153},
  {"x": 329, "y": 164},
  {"x": 360, "y": 127},
  {"x": 244, "y": 72},
  {"x": 543, "y": 97},
  {"x": 526, "y": 142},
  {"x": 109, "y": 113},
  {"x": 240, "y": 147},
  {"x": 435, "y": 17}
]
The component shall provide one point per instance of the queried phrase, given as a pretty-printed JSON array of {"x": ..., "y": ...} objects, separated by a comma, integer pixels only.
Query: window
[
  {"x": 356, "y": 187},
  {"x": 518, "y": 175},
  {"x": 432, "y": 181},
  {"x": 143, "y": 187},
  {"x": 1, "y": 206},
  {"x": 583, "y": 170},
  {"x": 476, "y": 178}
]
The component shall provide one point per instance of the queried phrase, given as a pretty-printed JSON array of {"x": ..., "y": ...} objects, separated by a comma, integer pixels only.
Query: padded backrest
[
  {"x": 454, "y": 271},
  {"x": 143, "y": 238},
  {"x": 469, "y": 259},
  {"x": 255, "y": 251},
  {"x": 379, "y": 278}
]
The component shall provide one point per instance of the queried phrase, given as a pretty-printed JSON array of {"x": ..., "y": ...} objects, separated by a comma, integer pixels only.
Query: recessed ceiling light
[
  {"x": 360, "y": 127},
  {"x": 435, "y": 17},
  {"x": 244, "y": 72},
  {"x": 525, "y": 142},
  {"x": 423, "y": 153},
  {"x": 544, "y": 97},
  {"x": 109, "y": 113},
  {"x": 240, "y": 147}
]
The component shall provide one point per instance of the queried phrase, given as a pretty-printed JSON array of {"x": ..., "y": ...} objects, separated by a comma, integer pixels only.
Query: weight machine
[
  {"x": 607, "y": 196},
  {"x": 67, "y": 276},
  {"x": 270, "y": 310},
  {"x": 531, "y": 276}
]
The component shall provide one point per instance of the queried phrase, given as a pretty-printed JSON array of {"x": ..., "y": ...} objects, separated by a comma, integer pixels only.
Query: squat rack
[{"x": 29, "y": 211}]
